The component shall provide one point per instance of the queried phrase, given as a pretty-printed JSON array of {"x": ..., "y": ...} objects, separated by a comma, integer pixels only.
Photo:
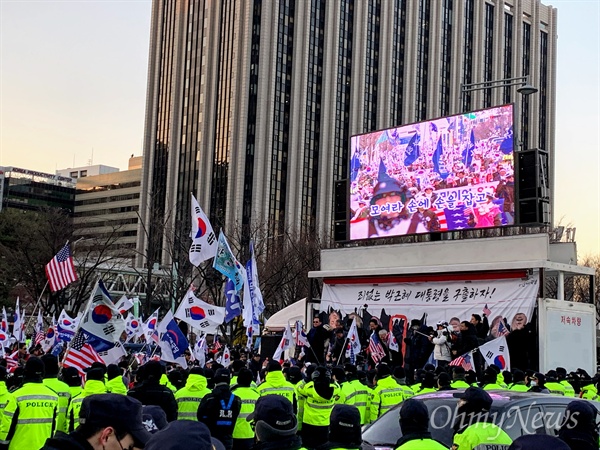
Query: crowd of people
[{"x": 260, "y": 403}]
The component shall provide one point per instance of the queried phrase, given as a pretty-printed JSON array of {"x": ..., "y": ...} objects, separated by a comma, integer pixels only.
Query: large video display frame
[{"x": 445, "y": 174}]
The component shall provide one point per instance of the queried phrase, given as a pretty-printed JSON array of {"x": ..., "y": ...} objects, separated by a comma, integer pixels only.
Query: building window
[
  {"x": 468, "y": 53},
  {"x": 508, "y": 55},
  {"x": 543, "y": 95},
  {"x": 488, "y": 57},
  {"x": 446, "y": 58},
  {"x": 422, "y": 60},
  {"x": 524, "y": 98},
  {"x": 83, "y": 173},
  {"x": 74, "y": 174}
]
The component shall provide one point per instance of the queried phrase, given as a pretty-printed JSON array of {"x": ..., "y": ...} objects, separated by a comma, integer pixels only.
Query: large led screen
[{"x": 446, "y": 174}]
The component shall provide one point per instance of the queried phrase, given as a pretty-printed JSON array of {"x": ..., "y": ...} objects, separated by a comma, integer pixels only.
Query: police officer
[
  {"x": 344, "y": 429},
  {"x": 339, "y": 376},
  {"x": 275, "y": 383},
  {"x": 189, "y": 397},
  {"x": 579, "y": 430},
  {"x": 243, "y": 434},
  {"x": 320, "y": 395},
  {"x": 5, "y": 396},
  {"x": 553, "y": 385},
  {"x": 561, "y": 376},
  {"x": 30, "y": 420},
  {"x": 114, "y": 377},
  {"x": 220, "y": 409},
  {"x": 275, "y": 424},
  {"x": 472, "y": 426},
  {"x": 94, "y": 384},
  {"x": 518, "y": 383},
  {"x": 361, "y": 397},
  {"x": 62, "y": 390},
  {"x": 386, "y": 394},
  {"x": 414, "y": 423},
  {"x": 458, "y": 378},
  {"x": 71, "y": 377}
]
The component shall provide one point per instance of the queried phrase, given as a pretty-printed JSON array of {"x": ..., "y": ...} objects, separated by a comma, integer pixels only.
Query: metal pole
[{"x": 36, "y": 305}]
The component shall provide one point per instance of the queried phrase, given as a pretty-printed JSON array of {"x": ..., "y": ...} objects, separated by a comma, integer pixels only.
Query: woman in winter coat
[{"x": 442, "y": 342}]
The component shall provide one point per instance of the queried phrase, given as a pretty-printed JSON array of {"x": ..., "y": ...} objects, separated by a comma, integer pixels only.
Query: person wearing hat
[
  {"x": 344, "y": 429},
  {"x": 115, "y": 384},
  {"x": 184, "y": 435},
  {"x": 579, "y": 429},
  {"x": 107, "y": 422},
  {"x": 30, "y": 419},
  {"x": 220, "y": 409},
  {"x": 428, "y": 384},
  {"x": 151, "y": 392},
  {"x": 361, "y": 396},
  {"x": 537, "y": 383},
  {"x": 71, "y": 377},
  {"x": 319, "y": 396},
  {"x": 588, "y": 391},
  {"x": 473, "y": 426},
  {"x": 458, "y": 378},
  {"x": 154, "y": 418},
  {"x": 414, "y": 424},
  {"x": 61, "y": 388},
  {"x": 489, "y": 382},
  {"x": 518, "y": 382},
  {"x": 188, "y": 398},
  {"x": 275, "y": 424},
  {"x": 339, "y": 376},
  {"x": 386, "y": 394},
  {"x": 553, "y": 385},
  {"x": 243, "y": 434},
  {"x": 441, "y": 340},
  {"x": 94, "y": 384},
  {"x": 5, "y": 396},
  {"x": 275, "y": 383},
  {"x": 561, "y": 377}
]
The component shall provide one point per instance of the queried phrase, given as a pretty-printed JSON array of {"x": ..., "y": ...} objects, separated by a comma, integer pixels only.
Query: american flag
[
  {"x": 39, "y": 337},
  {"x": 61, "y": 270},
  {"x": 81, "y": 355},
  {"x": 502, "y": 330},
  {"x": 464, "y": 360},
  {"x": 12, "y": 361},
  {"x": 217, "y": 344},
  {"x": 487, "y": 310},
  {"x": 375, "y": 348}
]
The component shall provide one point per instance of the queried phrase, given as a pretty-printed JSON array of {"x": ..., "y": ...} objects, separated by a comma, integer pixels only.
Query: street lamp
[{"x": 523, "y": 82}]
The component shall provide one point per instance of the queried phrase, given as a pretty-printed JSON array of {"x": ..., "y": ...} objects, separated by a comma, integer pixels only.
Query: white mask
[{"x": 533, "y": 383}]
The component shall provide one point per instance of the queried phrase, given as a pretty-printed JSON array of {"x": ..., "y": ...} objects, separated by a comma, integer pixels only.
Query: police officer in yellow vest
[
  {"x": 188, "y": 398},
  {"x": 361, "y": 397},
  {"x": 518, "y": 383},
  {"x": 275, "y": 383},
  {"x": 243, "y": 434},
  {"x": 473, "y": 426},
  {"x": 386, "y": 394},
  {"x": 320, "y": 395},
  {"x": 31, "y": 418},
  {"x": 114, "y": 380},
  {"x": 71, "y": 377},
  {"x": 553, "y": 385},
  {"x": 561, "y": 376},
  {"x": 94, "y": 384},
  {"x": 5, "y": 396},
  {"x": 344, "y": 429},
  {"x": 458, "y": 378},
  {"x": 414, "y": 424},
  {"x": 62, "y": 390}
]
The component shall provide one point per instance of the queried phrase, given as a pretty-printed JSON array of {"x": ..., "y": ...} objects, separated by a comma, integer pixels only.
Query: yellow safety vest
[
  {"x": 116, "y": 386},
  {"x": 361, "y": 398},
  {"x": 385, "y": 395},
  {"x": 275, "y": 383},
  {"x": 316, "y": 408},
  {"x": 32, "y": 415},
  {"x": 243, "y": 428},
  {"x": 64, "y": 398},
  {"x": 569, "y": 391},
  {"x": 189, "y": 397},
  {"x": 91, "y": 387}
]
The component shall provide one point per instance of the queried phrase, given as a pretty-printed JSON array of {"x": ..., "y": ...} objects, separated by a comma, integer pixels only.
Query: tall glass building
[{"x": 251, "y": 103}]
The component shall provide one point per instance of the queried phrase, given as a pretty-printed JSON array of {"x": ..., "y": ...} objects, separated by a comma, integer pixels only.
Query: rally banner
[{"x": 510, "y": 300}]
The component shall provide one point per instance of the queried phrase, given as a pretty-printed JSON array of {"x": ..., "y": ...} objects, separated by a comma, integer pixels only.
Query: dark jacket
[
  {"x": 290, "y": 443},
  {"x": 150, "y": 392},
  {"x": 482, "y": 329},
  {"x": 466, "y": 342},
  {"x": 62, "y": 441},
  {"x": 418, "y": 347},
  {"x": 317, "y": 336},
  {"x": 219, "y": 410}
]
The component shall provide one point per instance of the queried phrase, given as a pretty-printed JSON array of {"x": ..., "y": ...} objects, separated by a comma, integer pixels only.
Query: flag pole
[
  {"x": 36, "y": 305},
  {"x": 343, "y": 349}
]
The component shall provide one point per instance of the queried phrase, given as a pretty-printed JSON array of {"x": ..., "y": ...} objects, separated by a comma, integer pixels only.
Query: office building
[
  {"x": 251, "y": 105},
  {"x": 86, "y": 171},
  {"x": 31, "y": 190},
  {"x": 107, "y": 207}
]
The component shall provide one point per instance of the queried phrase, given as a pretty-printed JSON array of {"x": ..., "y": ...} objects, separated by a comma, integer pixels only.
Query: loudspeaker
[
  {"x": 268, "y": 344},
  {"x": 534, "y": 211},
  {"x": 340, "y": 200},
  {"x": 340, "y": 211},
  {"x": 533, "y": 177}
]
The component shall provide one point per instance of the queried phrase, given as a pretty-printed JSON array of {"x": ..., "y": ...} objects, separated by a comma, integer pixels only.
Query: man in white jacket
[{"x": 441, "y": 340}]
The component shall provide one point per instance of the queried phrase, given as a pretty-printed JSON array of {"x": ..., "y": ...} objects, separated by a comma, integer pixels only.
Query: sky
[{"x": 73, "y": 91}]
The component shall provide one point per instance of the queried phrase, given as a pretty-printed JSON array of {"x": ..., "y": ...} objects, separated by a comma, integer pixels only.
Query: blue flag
[
  {"x": 467, "y": 154},
  {"x": 227, "y": 264},
  {"x": 412, "y": 152},
  {"x": 172, "y": 340},
  {"x": 506, "y": 146},
  {"x": 232, "y": 302},
  {"x": 354, "y": 166},
  {"x": 435, "y": 158}
]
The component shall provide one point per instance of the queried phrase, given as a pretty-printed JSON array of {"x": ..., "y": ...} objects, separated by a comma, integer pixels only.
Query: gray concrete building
[{"x": 251, "y": 104}]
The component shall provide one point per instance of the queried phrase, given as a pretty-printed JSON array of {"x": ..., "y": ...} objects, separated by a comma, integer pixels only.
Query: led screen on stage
[{"x": 446, "y": 174}]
